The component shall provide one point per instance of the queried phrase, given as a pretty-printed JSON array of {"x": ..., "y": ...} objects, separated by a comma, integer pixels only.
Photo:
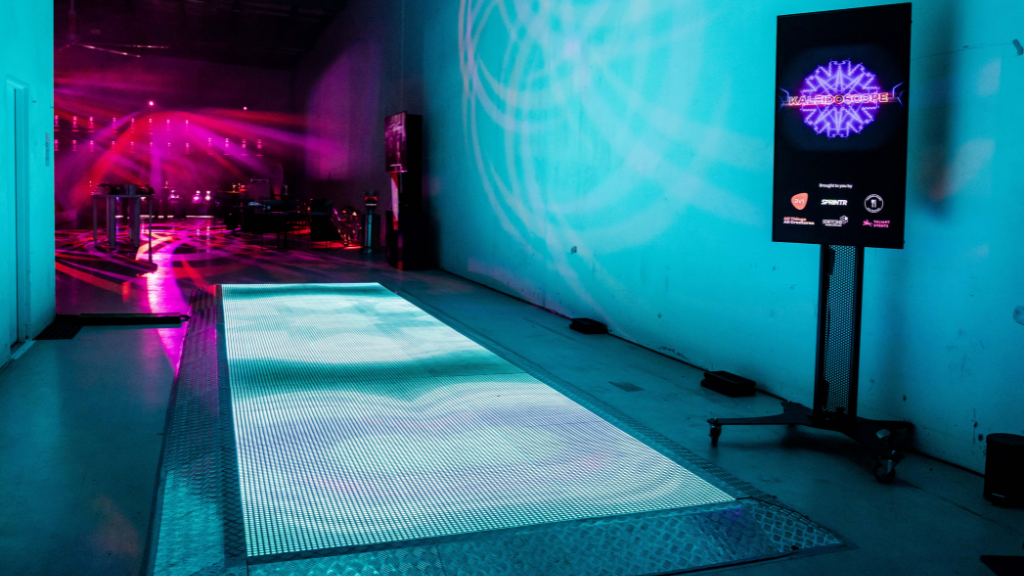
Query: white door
[
  {"x": 8, "y": 258},
  {"x": 13, "y": 222}
]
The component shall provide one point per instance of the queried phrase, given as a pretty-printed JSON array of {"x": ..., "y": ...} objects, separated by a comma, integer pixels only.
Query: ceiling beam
[
  {"x": 286, "y": 34},
  {"x": 322, "y": 4},
  {"x": 322, "y": 26},
  {"x": 229, "y": 47},
  {"x": 285, "y": 25}
]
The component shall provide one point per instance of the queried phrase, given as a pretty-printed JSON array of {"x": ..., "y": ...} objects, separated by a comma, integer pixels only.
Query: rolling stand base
[{"x": 879, "y": 436}]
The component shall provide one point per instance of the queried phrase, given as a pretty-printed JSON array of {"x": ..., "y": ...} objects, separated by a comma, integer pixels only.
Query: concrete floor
[{"x": 81, "y": 420}]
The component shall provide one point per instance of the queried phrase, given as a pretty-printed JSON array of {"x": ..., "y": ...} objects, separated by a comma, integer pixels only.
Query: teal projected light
[{"x": 360, "y": 419}]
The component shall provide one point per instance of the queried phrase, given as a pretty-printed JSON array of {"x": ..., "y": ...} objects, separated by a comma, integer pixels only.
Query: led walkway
[{"x": 354, "y": 431}]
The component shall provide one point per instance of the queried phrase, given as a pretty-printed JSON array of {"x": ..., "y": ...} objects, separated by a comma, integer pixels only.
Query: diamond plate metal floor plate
[
  {"x": 446, "y": 459},
  {"x": 189, "y": 528},
  {"x": 662, "y": 542}
]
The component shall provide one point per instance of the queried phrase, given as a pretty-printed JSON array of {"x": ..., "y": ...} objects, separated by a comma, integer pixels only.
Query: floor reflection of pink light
[
  {"x": 164, "y": 295},
  {"x": 143, "y": 251}
]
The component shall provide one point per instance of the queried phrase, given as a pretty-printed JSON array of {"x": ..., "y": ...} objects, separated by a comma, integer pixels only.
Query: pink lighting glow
[{"x": 258, "y": 144}]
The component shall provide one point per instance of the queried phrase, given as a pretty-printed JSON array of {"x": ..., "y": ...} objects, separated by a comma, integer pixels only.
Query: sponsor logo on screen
[
  {"x": 874, "y": 204},
  {"x": 877, "y": 223},
  {"x": 831, "y": 202},
  {"x": 798, "y": 221},
  {"x": 799, "y": 201},
  {"x": 836, "y": 223}
]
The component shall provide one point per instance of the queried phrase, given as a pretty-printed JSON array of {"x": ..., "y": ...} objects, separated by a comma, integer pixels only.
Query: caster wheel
[
  {"x": 885, "y": 471},
  {"x": 716, "y": 431}
]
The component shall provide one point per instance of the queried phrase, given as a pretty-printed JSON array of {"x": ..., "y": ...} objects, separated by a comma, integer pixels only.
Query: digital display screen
[
  {"x": 842, "y": 90},
  {"x": 395, "y": 143}
]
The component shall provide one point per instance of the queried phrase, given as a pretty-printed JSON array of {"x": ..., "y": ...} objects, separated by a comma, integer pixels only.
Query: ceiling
[{"x": 264, "y": 33}]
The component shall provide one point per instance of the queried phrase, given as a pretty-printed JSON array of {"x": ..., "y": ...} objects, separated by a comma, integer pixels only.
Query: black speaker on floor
[
  {"x": 1005, "y": 565},
  {"x": 1004, "y": 470},
  {"x": 729, "y": 384},
  {"x": 588, "y": 326}
]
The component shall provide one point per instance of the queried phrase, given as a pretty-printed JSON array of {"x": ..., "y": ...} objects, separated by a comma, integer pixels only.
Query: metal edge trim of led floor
[
  {"x": 201, "y": 529},
  {"x": 235, "y": 552}
]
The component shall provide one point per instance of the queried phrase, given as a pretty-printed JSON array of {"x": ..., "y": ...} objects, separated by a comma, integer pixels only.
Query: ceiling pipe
[{"x": 72, "y": 23}]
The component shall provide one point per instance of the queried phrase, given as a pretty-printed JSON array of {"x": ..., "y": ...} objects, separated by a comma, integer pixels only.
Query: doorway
[{"x": 14, "y": 241}]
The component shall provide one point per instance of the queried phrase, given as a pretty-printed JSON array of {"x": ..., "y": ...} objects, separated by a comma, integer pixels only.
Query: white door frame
[{"x": 16, "y": 96}]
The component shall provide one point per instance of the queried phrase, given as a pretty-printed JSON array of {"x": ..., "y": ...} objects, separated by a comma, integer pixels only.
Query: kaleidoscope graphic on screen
[{"x": 840, "y": 99}]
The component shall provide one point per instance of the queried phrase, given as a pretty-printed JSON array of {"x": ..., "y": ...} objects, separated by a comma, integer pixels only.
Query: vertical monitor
[
  {"x": 842, "y": 87},
  {"x": 396, "y": 143}
]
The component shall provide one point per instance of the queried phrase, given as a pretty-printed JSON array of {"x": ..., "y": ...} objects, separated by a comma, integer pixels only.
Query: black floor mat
[{"x": 63, "y": 328}]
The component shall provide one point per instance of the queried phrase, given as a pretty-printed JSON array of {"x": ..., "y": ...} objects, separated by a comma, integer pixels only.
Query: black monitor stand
[{"x": 836, "y": 367}]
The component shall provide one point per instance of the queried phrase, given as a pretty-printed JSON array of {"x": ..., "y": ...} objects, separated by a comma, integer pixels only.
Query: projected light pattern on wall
[
  {"x": 360, "y": 419},
  {"x": 580, "y": 138},
  {"x": 840, "y": 99}
]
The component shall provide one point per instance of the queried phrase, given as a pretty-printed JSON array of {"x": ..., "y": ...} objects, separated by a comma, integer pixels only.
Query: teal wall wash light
[
  {"x": 613, "y": 160},
  {"x": 27, "y": 275}
]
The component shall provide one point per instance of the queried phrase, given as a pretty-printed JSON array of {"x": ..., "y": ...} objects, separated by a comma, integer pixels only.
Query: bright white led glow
[{"x": 360, "y": 419}]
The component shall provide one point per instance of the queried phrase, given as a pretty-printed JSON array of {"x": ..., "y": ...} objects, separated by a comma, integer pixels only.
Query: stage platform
[{"x": 320, "y": 427}]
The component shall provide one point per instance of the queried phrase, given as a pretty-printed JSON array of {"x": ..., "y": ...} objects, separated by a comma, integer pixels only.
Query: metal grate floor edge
[{"x": 190, "y": 538}]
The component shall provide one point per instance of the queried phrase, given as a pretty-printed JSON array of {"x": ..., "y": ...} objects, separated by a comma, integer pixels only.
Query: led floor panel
[{"x": 359, "y": 419}]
